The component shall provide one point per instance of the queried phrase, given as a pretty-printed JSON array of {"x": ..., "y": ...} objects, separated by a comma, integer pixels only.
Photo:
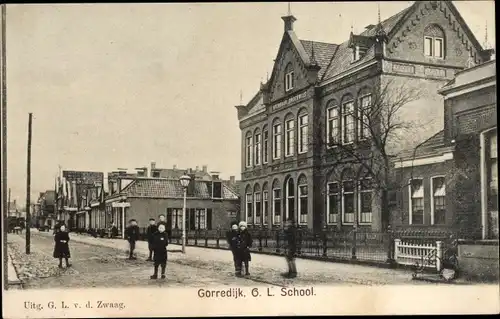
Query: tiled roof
[
  {"x": 171, "y": 173},
  {"x": 323, "y": 53},
  {"x": 388, "y": 24},
  {"x": 342, "y": 60},
  {"x": 170, "y": 188},
  {"x": 428, "y": 147}
]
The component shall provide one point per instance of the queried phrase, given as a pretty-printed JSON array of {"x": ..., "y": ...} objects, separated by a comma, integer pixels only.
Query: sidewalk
[
  {"x": 13, "y": 280},
  {"x": 267, "y": 268}
]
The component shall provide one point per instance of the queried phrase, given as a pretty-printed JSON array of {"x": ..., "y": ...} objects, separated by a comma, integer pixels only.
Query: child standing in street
[
  {"x": 160, "y": 243},
  {"x": 61, "y": 247},
  {"x": 152, "y": 228},
  {"x": 132, "y": 235}
]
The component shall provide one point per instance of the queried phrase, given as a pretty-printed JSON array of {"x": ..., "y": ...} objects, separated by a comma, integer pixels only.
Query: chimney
[
  {"x": 289, "y": 20},
  {"x": 215, "y": 175},
  {"x": 205, "y": 169},
  {"x": 231, "y": 179},
  {"x": 197, "y": 168},
  {"x": 175, "y": 167},
  {"x": 153, "y": 165}
]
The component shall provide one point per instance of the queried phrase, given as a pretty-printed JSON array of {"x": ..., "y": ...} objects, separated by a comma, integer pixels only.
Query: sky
[{"x": 121, "y": 85}]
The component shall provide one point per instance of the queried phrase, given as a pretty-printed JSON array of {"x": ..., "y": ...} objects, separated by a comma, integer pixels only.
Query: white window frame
[
  {"x": 265, "y": 146},
  {"x": 410, "y": 200},
  {"x": 343, "y": 202},
  {"x": 257, "y": 147},
  {"x": 274, "y": 199},
  {"x": 335, "y": 119},
  {"x": 356, "y": 53},
  {"x": 197, "y": 218},
  {"x": 339, "y": 191},
  {"x": 433, "y": 222},
  {"x": 364, "y": 128},
  {"x": 248, "y": 151},
  {"x": 289, "y": 81},
  {"x": 257, "y": 200},
  {"x": 289, "y": 137},
  {"x": 177, "y": 218},
  {"x": 287, "y": 198},
  {"x": 265, "y": 207},
  {"x": 299, "y": 210},
  {"x": 345, "y": 122},
  {"x": 303, "y": 133},
  {"x": 248, "y": 200},
  {"x": 433, "y": 47},
  {"x": 277, "y": 140},
  {"x": 360, "y": 193}
]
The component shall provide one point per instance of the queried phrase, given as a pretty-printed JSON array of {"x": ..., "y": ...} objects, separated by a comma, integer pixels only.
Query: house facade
[
  {"x": 299, "y": 130},
  {"x": 209, "y": 204},
  {"x": 453, "y": 178}
]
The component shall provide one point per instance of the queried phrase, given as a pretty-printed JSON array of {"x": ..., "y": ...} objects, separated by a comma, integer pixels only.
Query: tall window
[
  {"x": 333, "y": 203},
  {"x": 276, "y": 206},
  {"x": 265, "y": 148},
  {"x": 303, "y": 132},
  {"x": 302, "y": 204},
  {"x": 289, "y": 137},
  {"x": 176, "y": 218},
  {"x": 348, "y": 202},
  {"x": 333, "y": 125},
  {"x": 434, "y": 41},
  {"x": 249, "y": 151},
  {"x": 365, "y": 201},
  {"x": 277, "y": 141},
  {"x": 438, "y": 205},
  {"x": 258, "y": 207},
  {"x": 492, "y": 163},
  {"x": 416, "y": 202},
  {"x": 289, "y": 81},
  {"x": 257, "y": 148},
  {"x": 290, "y": 199},
  {"x": 356, "y": 54},
  {"x": 201, "y": 219},
  {"x": 265, "y": 207},
  {"x": 363, "y": 117},
  {"x": 249, "y": 213},
  {"x": 348, "y": 129}
]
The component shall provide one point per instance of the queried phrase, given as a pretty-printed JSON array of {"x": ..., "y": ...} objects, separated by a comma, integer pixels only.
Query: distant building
[
  {"x": 45, "y": 210},
  {"x": 452, "y": 177}
]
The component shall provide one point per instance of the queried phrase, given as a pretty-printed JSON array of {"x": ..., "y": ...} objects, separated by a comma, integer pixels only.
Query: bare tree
[{"x": 379, "y": 132}]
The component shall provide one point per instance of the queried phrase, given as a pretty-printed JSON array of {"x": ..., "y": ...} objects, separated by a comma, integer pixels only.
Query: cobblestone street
[{"x": 102, "y": 263}]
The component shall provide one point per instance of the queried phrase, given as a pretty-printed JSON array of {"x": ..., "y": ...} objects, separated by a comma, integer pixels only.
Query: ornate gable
[{"x": 435, "y": 20}]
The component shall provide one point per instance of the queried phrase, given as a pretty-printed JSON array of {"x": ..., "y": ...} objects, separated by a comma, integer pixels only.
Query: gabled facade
[{"x": 290, "y": 168}]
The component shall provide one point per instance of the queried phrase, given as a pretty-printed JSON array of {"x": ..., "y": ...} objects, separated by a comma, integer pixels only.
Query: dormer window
[
  {"x": 289, "y": 78},
  {"x": 434, "y": 42},
  {"x": 216, "y": 190},
  {"x": 358, "y": 52}
]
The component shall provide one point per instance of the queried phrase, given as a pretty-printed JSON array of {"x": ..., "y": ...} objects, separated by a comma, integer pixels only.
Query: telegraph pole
[{"x": 28, "y": 189}]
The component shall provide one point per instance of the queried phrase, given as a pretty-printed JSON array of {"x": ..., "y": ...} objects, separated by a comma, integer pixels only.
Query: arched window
[
  {"x": 257, "y": 204},
  {"x": 289, "y": 78},
  {"x": 290, "y": 199},
  {"x": 276, "y": 202},
  {"x": 348, "y": 120},
  {"x": 333, "y": 123},
  {"x": 348, "y": 187},
  {"x": 303, "y": 121},
  {"x": 257, "y": 146},
  {"x": 303, "y": 199},
  {"x": 289, "y": 135},
  {"x": 333, "y": 200},
  {"x": 276, "y": 139},
  {"x": 363, "y": 115},
  {"x": 265, "y": 145},
  {"x": 365, "y": 197},
  {"x": 265, "y": 204},
  {"x": 249, "y": 204},
  {"x": 248, "y": 149},
  {"x": 434, "y": 41}
]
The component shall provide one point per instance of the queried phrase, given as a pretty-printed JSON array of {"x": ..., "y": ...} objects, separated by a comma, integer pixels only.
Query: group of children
[
  {"x": 157, "y": 243},
  {"x": 240, "y": 241}
]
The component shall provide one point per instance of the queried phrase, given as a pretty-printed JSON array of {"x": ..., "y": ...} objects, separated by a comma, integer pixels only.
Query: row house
[
  {"x": 211, "y": 204},
  {"x": 45, "y": 209},
  {"x": 302, "y": 131},
  {"x": 452, "y": 178}
]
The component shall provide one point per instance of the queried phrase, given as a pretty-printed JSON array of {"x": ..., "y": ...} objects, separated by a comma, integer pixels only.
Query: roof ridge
[{"x": 318, "y": 42}]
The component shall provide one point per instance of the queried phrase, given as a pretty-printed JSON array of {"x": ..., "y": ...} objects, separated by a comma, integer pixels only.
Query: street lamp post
[{"x": 184, "y": 179}]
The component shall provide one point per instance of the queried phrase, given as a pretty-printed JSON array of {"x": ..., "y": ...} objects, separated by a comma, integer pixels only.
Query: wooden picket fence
[{"x": 427, "y": 255}]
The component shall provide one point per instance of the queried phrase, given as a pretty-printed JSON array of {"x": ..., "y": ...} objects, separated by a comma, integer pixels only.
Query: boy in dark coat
[
  {"x": 160, "y": 243},
  {"x": 152, "y": 229},
  {"x": 291, "y": 242},
  {"x": 162, "y": 221},
  {"x": 233, "y": 240},
  {"x": 61, "y": 247},
  {"x": 132, "y": 235},
  {"x": 244, "y": 249}
]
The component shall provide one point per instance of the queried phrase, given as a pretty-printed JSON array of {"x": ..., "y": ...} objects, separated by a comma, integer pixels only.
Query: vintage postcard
[{"x": 249, "y": 159}]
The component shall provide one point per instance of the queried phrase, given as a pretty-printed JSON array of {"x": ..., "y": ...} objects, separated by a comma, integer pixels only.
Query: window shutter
[
  {"x": 209, "y": 218},
  {"x": 169, "y": 218},
  {"x": 192, "y": 219}
]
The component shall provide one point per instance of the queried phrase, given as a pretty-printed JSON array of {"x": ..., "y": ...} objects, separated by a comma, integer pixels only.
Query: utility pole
[
  {"x": 28, "y": 189},
  {"x": 8, "y": 204}
]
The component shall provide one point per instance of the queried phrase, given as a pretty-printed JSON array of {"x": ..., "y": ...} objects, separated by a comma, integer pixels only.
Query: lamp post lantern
[{"x": 184, "y": 179}]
